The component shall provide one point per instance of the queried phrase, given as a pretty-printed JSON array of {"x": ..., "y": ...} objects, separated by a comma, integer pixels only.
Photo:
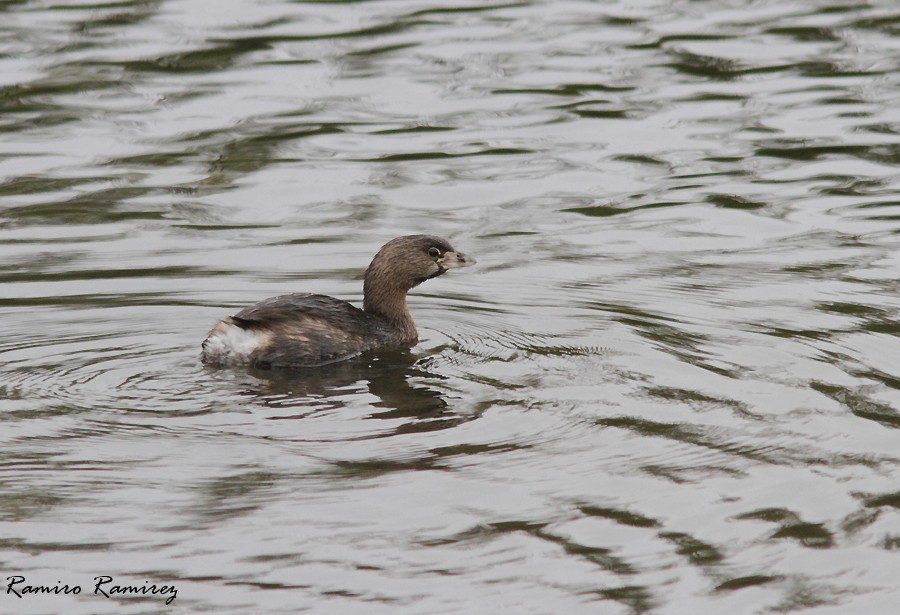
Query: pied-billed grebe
[{"x": 307, "y": 330}]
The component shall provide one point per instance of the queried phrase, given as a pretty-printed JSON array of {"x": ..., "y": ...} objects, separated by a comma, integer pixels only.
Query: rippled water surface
[{"x": 671, "y": 384}]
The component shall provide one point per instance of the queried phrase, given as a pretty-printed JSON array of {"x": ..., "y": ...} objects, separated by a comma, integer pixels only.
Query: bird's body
[
  {"x": 307, "y": 329},
  {"x": 297, "y": 329}
]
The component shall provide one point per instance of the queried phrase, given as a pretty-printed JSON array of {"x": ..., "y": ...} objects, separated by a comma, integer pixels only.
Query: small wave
[{"x": 483, "y": 343}]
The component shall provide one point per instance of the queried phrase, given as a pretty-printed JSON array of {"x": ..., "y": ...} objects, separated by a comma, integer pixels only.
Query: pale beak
[{"x": 453, "y": 260}]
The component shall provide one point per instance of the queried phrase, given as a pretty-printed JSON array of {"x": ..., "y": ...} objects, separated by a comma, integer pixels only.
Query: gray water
[{"x": 671, "y": 384}]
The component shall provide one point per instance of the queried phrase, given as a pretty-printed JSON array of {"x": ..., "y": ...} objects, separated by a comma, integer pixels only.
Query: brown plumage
[{"x": 306, "y": 330}]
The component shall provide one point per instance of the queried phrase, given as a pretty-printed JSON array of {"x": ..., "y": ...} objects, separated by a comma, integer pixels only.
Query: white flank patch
[{"x": 229, "y": 343}]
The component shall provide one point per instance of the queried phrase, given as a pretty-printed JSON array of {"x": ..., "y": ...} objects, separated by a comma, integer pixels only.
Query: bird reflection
[{"x": 388, "y": 375}]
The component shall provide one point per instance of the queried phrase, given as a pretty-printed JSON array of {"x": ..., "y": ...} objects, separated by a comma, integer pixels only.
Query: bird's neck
[{"x": 390, "y": 304}]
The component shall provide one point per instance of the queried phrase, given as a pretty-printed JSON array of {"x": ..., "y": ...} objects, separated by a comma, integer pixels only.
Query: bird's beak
[{"x": 452, "y": 260}]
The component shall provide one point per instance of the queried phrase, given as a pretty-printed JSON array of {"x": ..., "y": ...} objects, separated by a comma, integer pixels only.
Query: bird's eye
[{"x": 434, "y": 252}]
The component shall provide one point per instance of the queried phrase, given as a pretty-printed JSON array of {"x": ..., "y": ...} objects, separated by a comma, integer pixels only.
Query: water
[{"x": 669, "y": 386}]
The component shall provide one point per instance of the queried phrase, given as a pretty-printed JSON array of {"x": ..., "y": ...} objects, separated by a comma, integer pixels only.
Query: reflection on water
[
  {"x": 389, "y": 376},
  {"x": 669, "y": 385}
]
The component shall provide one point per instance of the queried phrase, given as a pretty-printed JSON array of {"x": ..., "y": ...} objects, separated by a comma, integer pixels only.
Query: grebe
[{"x": 303, "y": 329}]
